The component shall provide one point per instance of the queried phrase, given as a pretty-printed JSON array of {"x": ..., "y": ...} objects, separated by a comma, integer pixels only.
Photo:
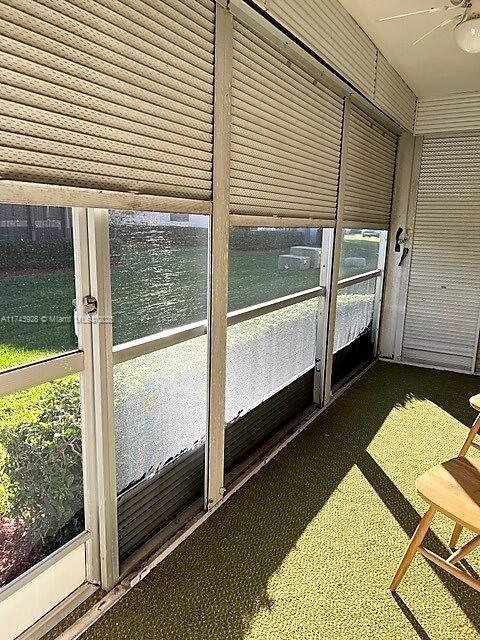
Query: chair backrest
[{"x": 475, "y": 402}]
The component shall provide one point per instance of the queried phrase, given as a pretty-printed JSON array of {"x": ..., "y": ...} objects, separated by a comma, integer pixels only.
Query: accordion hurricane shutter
[
  {"x": 286, "y": 135},
  {"x": 443, "y": 303},
  {"x": 393, "y": 95},
  {"x": 108, "y": 94},
  {"x": 371, "y": 154},
  {"x": 328, "y": 29}
]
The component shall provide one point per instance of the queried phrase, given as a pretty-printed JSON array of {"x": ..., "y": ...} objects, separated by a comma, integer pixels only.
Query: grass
[
  {"x": 35, "y": 316},
  {"x": 154, "y": 287},
  {"x": 307, "y": 548},
  {"x": 357, "y": 246}
]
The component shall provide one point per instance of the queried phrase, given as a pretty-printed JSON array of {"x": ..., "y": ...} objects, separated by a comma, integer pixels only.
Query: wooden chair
[
  {"x": 469, "y": 442},
  {"x": 452, "y": 488}
]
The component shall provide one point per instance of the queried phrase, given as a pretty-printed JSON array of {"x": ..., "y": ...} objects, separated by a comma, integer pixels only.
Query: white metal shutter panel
[
  {"x": 114, "y": 94},
  {"x": 443, "y": 303},
  {"x": 393, "y": 95},
  {"x": 371, "y": 154},
  {"x": 457, "y": 112},
  {"x": 329, "y": 30},
  {"x": 286, "y": 135}
]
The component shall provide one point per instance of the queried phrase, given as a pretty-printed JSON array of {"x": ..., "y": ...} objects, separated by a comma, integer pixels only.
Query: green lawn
[
  {"x": 152, "y": 290},
  {"x": 27, "y": 304},
  {"x": 357, "y": 246}
]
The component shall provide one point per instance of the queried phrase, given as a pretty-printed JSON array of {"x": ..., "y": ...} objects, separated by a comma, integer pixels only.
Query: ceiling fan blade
[
  {"x": 417, "y": 13},
  {"x": 439, "y": 26}
]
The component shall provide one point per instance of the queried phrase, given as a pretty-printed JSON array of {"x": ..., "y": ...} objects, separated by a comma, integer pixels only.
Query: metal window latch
[
  {"x": 90, "y": 305},
  {"x": 398, "y": 242},
  {"x": 405, "y": 253}
]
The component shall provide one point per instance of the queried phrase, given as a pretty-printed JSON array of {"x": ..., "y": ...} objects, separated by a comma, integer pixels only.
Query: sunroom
[{"x": 239, "y": 319}]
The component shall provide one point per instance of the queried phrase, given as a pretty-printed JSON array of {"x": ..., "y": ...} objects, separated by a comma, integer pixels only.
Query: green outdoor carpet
[{"x": 307, "y": 548}]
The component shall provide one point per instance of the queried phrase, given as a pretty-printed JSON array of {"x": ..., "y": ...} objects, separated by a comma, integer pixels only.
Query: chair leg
[
  {"x": 470, "y": 438},
  {"x": 412, "y": 548},
  {"x": 457, "y": 530},
  {"x": 465, "y": 550}
]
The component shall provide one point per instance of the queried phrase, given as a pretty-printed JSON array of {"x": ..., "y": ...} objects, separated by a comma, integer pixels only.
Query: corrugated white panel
[
  {"x": 286, "y": 135},
  {"x": 327, "y": 28},
  {"x": 443, "y": 302},
  {"x": 114, "y": 94},
  {"x": 458, "y": 112},
  {"x": 371, "y": 153},
  {"x": 393, "y": 95}
]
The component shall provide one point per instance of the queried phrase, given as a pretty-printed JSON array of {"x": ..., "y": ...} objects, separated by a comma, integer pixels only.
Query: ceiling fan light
[{"x": 467, "y": 35}]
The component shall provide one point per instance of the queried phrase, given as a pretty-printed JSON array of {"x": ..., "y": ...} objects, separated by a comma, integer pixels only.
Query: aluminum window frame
[
  {"x": 321, "y": 292},
  {"x": 137, "y": 348},
  {"x": 164, "y": 339},
  {"x": 93, "y": 359},
  {"x": 106, "y": 356},
  {"x": 32, "y": 193},
  {"x": 361, "y": 277},
  {"x": 76, "y": 362},
  {"x": 375, "y": 274}
]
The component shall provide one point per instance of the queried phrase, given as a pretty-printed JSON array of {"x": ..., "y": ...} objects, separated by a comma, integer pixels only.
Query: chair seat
[
  {"x": 475, "y": 402},
  {"x": 453, "y": 487}
]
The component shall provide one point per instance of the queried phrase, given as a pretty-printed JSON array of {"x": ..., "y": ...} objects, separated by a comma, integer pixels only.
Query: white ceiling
[{"x": 433, "y": 67}]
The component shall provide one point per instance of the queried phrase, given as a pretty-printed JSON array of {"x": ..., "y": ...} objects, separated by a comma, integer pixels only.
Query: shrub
[
  {"x": 254, "y": 239},
  {"x": 160, "y": 237},
  {"x": 41, "y": 254},
  {"x": 43, "y": 465}
]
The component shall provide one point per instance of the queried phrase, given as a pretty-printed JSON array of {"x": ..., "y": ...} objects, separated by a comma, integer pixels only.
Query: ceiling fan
[{"x": 467, "y": 27}]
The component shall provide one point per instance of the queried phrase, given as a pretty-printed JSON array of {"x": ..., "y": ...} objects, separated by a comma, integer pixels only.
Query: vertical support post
[
  {"x": 66, "y": 225},
  {"x": 218, "y": 280},
  {"x": 476, "y": 352},
  {"x": 398, "y": 219},
  {"x": 337, "y": 249},
  {"x": 405, "y": 268},
  {"x": 476, "y": 349},
  {"x": 377, "y": 304},
  {"x": 31, "y": 212},
  {"x": 87, "y": 398},
  {"x": 322, "y": 316},
  {"x": 102, "y": 341}
]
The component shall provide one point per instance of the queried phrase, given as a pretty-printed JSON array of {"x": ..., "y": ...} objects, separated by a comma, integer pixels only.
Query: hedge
[
  {"x": 241, "y": 239},
  {"x": 42, "y": 464},
  {"x": 36, "y": 255}
]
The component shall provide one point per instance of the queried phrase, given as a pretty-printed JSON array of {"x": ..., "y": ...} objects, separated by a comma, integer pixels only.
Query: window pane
[
  {"x": 360, "y": 249},
  {"x": 37, "y": 283},
  {"x": 354, "y": 312},
  {"x": 269, "y": 263},
  {"x": 267, "y": 353},
  {"x": 159, "y": 271},
  {"x": 160, "y": 408},
  {"x": 41, "y": 485}
]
